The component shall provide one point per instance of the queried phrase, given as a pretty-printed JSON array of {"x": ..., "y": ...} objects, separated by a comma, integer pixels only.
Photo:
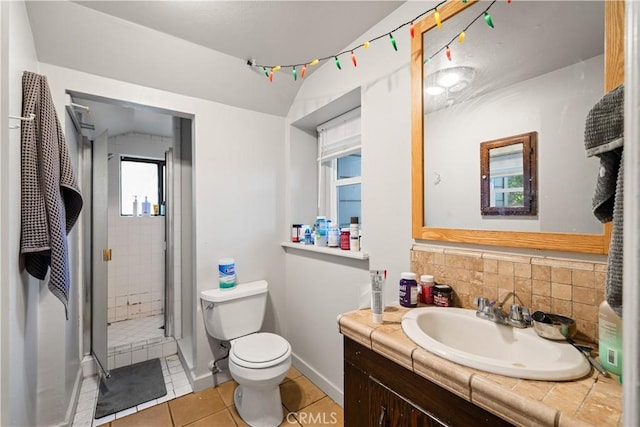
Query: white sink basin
[{"x": 456, "y": 334}]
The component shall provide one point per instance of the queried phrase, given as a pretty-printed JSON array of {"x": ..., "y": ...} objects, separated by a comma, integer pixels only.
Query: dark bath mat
[{"x": 130, "y": 386}]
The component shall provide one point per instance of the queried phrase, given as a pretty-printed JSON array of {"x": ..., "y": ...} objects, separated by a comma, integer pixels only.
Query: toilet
[{"x": 258, "y": 361}]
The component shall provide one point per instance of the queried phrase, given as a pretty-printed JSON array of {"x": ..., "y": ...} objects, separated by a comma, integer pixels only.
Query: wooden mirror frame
[
  {"x": 529, "y": 175},
  {"x": 568, "y": 242}
]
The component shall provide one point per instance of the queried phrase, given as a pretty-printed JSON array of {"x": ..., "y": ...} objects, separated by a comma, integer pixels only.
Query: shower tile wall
[{"x": 136, "y": 269}]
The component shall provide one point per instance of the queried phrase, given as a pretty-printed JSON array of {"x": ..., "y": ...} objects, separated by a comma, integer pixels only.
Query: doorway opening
[{"x": 138, "y": 159}]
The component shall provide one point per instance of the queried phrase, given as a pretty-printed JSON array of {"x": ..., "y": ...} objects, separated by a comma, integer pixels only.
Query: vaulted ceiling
[{"x": 200, "y": 48}]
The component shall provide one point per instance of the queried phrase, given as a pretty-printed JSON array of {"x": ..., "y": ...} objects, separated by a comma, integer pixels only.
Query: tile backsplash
[{"x": 556, "y": 285}]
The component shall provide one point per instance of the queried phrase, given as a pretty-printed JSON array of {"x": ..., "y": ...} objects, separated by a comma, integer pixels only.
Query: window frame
[
  {"x": 336, "y": 182},
  {"x": 343, "y": 138},
  {"x": 161, "y": 168}
]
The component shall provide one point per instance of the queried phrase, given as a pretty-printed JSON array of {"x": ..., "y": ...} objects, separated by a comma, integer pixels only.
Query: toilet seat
[{"x": 260, "y": 350}]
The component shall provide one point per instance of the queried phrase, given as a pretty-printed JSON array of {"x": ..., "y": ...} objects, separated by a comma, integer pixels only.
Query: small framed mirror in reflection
[{"x": 508, "y": 184}]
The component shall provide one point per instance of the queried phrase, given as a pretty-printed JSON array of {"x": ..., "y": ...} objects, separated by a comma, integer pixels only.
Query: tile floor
[{"x": 304, "y": 404}]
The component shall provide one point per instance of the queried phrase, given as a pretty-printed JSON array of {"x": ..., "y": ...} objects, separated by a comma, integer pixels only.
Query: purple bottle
[{"x": 408, "y": 290}]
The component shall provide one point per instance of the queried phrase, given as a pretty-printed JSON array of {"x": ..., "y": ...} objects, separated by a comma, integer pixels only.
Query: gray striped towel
[{"x": 51, "y": 201}]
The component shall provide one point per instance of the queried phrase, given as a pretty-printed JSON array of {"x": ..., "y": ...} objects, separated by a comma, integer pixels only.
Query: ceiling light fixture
[
  {"x": 434, "y": 90},
  {"x": 452, "y": 80}
]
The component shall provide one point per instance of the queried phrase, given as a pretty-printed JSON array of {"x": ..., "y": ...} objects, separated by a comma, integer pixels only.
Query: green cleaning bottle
[{"x": 610, "y": 339}]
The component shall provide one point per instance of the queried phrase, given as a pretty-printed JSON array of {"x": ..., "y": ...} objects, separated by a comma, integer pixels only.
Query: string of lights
[{"x": 270, "y": 70}]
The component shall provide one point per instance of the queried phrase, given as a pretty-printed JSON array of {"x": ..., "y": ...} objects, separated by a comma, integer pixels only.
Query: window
[
  {"x": 140, "y": 178},
  {"x": 340, "y": 181}
]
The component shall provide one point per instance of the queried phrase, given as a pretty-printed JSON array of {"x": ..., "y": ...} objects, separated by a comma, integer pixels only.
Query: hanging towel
[
  {"x": 604, "y": 138},
  {"x": 51, "y": 201}
]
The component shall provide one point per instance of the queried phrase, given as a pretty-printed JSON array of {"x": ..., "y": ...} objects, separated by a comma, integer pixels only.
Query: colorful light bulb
[
  {"x": 393, "y": 42},
  {"x": 436, "y": 16},
  {"x": 295, "y": 73},
  {"x": 412, "y": 30},
  {"x": 464, "y": 1},
  {"x": 447, "y": 51},
  {"x": 304, "y": 70},
  {"x": 314, "y": 62},
  {"x": 461, "y": 37},
  {"x": 337, "y": 63},
  {"x": 365, "y": 45},
  {"x": 271, "y": 76},
  {"x": 487, "y": 19},
  {"x": 353, "y": 59},
  {"x": 266, "y": 73},
  {"x": 277, "y": 68}
]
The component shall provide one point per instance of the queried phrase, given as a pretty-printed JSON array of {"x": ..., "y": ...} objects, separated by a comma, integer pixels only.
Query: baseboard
[
  {"x": 333, "y": 391},
  {"x": 209, "y": 380}
]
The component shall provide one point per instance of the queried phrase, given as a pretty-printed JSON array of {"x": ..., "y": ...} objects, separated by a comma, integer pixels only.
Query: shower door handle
[{"x": 106, "y": 254}]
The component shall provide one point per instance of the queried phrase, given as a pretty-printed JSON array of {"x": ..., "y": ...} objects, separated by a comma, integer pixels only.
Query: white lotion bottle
[
  {"x": 377, "y": 283},
  {"x": 135, "y": 206}
]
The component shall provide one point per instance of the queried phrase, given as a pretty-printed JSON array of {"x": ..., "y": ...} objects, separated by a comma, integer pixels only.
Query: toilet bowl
[{"x": 258, "y": 361}]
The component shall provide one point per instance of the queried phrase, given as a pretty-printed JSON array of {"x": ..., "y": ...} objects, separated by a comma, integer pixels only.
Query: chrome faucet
[{"x": 518, "y": 316}]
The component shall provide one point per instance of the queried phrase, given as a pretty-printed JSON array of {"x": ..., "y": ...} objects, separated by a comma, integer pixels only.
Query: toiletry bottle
[
  {"x": 426, "y": 289},
  {"x": 146, "y": 207},
  {"x": 377, "y": 285},
  {"x": 334, "y": 236},
  {"x": 610, "y": 339},
  {"x": 408, "y": 290},
  {"x": 354, "y": 234},
  {"x": 135, "y": 206}
]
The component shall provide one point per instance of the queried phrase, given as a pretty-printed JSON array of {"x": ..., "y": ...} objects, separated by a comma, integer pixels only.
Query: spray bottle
[{"x": 377, "y": 283}]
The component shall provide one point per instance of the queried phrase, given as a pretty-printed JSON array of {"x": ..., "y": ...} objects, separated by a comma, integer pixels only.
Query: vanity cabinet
[{"x": 379, "y": 392}]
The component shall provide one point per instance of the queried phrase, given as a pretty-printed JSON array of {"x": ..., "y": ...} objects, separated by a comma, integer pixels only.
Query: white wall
[
  {"x": 320, "y": 287},
  {"x": 555, "y": 105},
  {"x": 136, "y": 270},
  {"x": 42, "y": 370},
  {"x": 21, "y": 293},
  {"x": 238, "y": 156}
]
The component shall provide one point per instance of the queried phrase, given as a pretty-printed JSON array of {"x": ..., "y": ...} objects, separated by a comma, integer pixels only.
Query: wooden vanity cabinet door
[
  {"x": 374, "y": 384},
  {"x": 389, "y": 409}
]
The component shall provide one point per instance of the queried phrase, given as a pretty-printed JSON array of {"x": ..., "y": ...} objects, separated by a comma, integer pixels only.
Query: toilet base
[{"x": 260, "y": 407}]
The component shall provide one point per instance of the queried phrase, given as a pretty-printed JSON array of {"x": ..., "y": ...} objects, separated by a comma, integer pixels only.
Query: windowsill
[{"x": 326, "y": 250}]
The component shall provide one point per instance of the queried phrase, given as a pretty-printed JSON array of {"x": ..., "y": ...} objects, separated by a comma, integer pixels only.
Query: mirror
[
  {"x": 498, "y": 82},
  {"x": 508, "y": 176}
]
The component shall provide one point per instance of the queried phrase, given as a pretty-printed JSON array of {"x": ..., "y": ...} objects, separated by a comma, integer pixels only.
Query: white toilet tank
[{"x": 232, "y": 313}]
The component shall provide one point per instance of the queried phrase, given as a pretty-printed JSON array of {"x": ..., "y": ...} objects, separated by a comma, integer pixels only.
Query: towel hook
[{"x": 23, "y": 119}]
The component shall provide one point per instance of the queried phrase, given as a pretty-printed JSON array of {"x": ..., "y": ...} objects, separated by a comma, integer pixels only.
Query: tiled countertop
[{"x": 592, "y": 400}]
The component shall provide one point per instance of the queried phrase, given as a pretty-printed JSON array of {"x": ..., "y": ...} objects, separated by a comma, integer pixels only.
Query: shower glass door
[{"x": 100, "y": 252}]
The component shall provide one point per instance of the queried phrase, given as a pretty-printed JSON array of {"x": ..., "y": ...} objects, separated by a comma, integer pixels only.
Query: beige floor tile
[
  {"x": 226, "y": 392},
  {"x": 292, "y": 374},
  {"x": 321, "y": 413},
  {"x": 194, "y": 406},
  {"x": 300, "y": 392},
  {"x": 288, "y": 420},
  {"x": 156, "y": 416},
  {"x": 219, "y": 419},
  {"x": 236, "y": 417}
]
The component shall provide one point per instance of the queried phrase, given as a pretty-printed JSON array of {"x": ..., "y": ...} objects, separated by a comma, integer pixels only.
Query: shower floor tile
[{"x": 130, "y": 333}]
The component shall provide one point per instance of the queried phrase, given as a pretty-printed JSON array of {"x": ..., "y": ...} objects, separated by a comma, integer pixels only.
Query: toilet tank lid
[{"x": 239, "y": 291}]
